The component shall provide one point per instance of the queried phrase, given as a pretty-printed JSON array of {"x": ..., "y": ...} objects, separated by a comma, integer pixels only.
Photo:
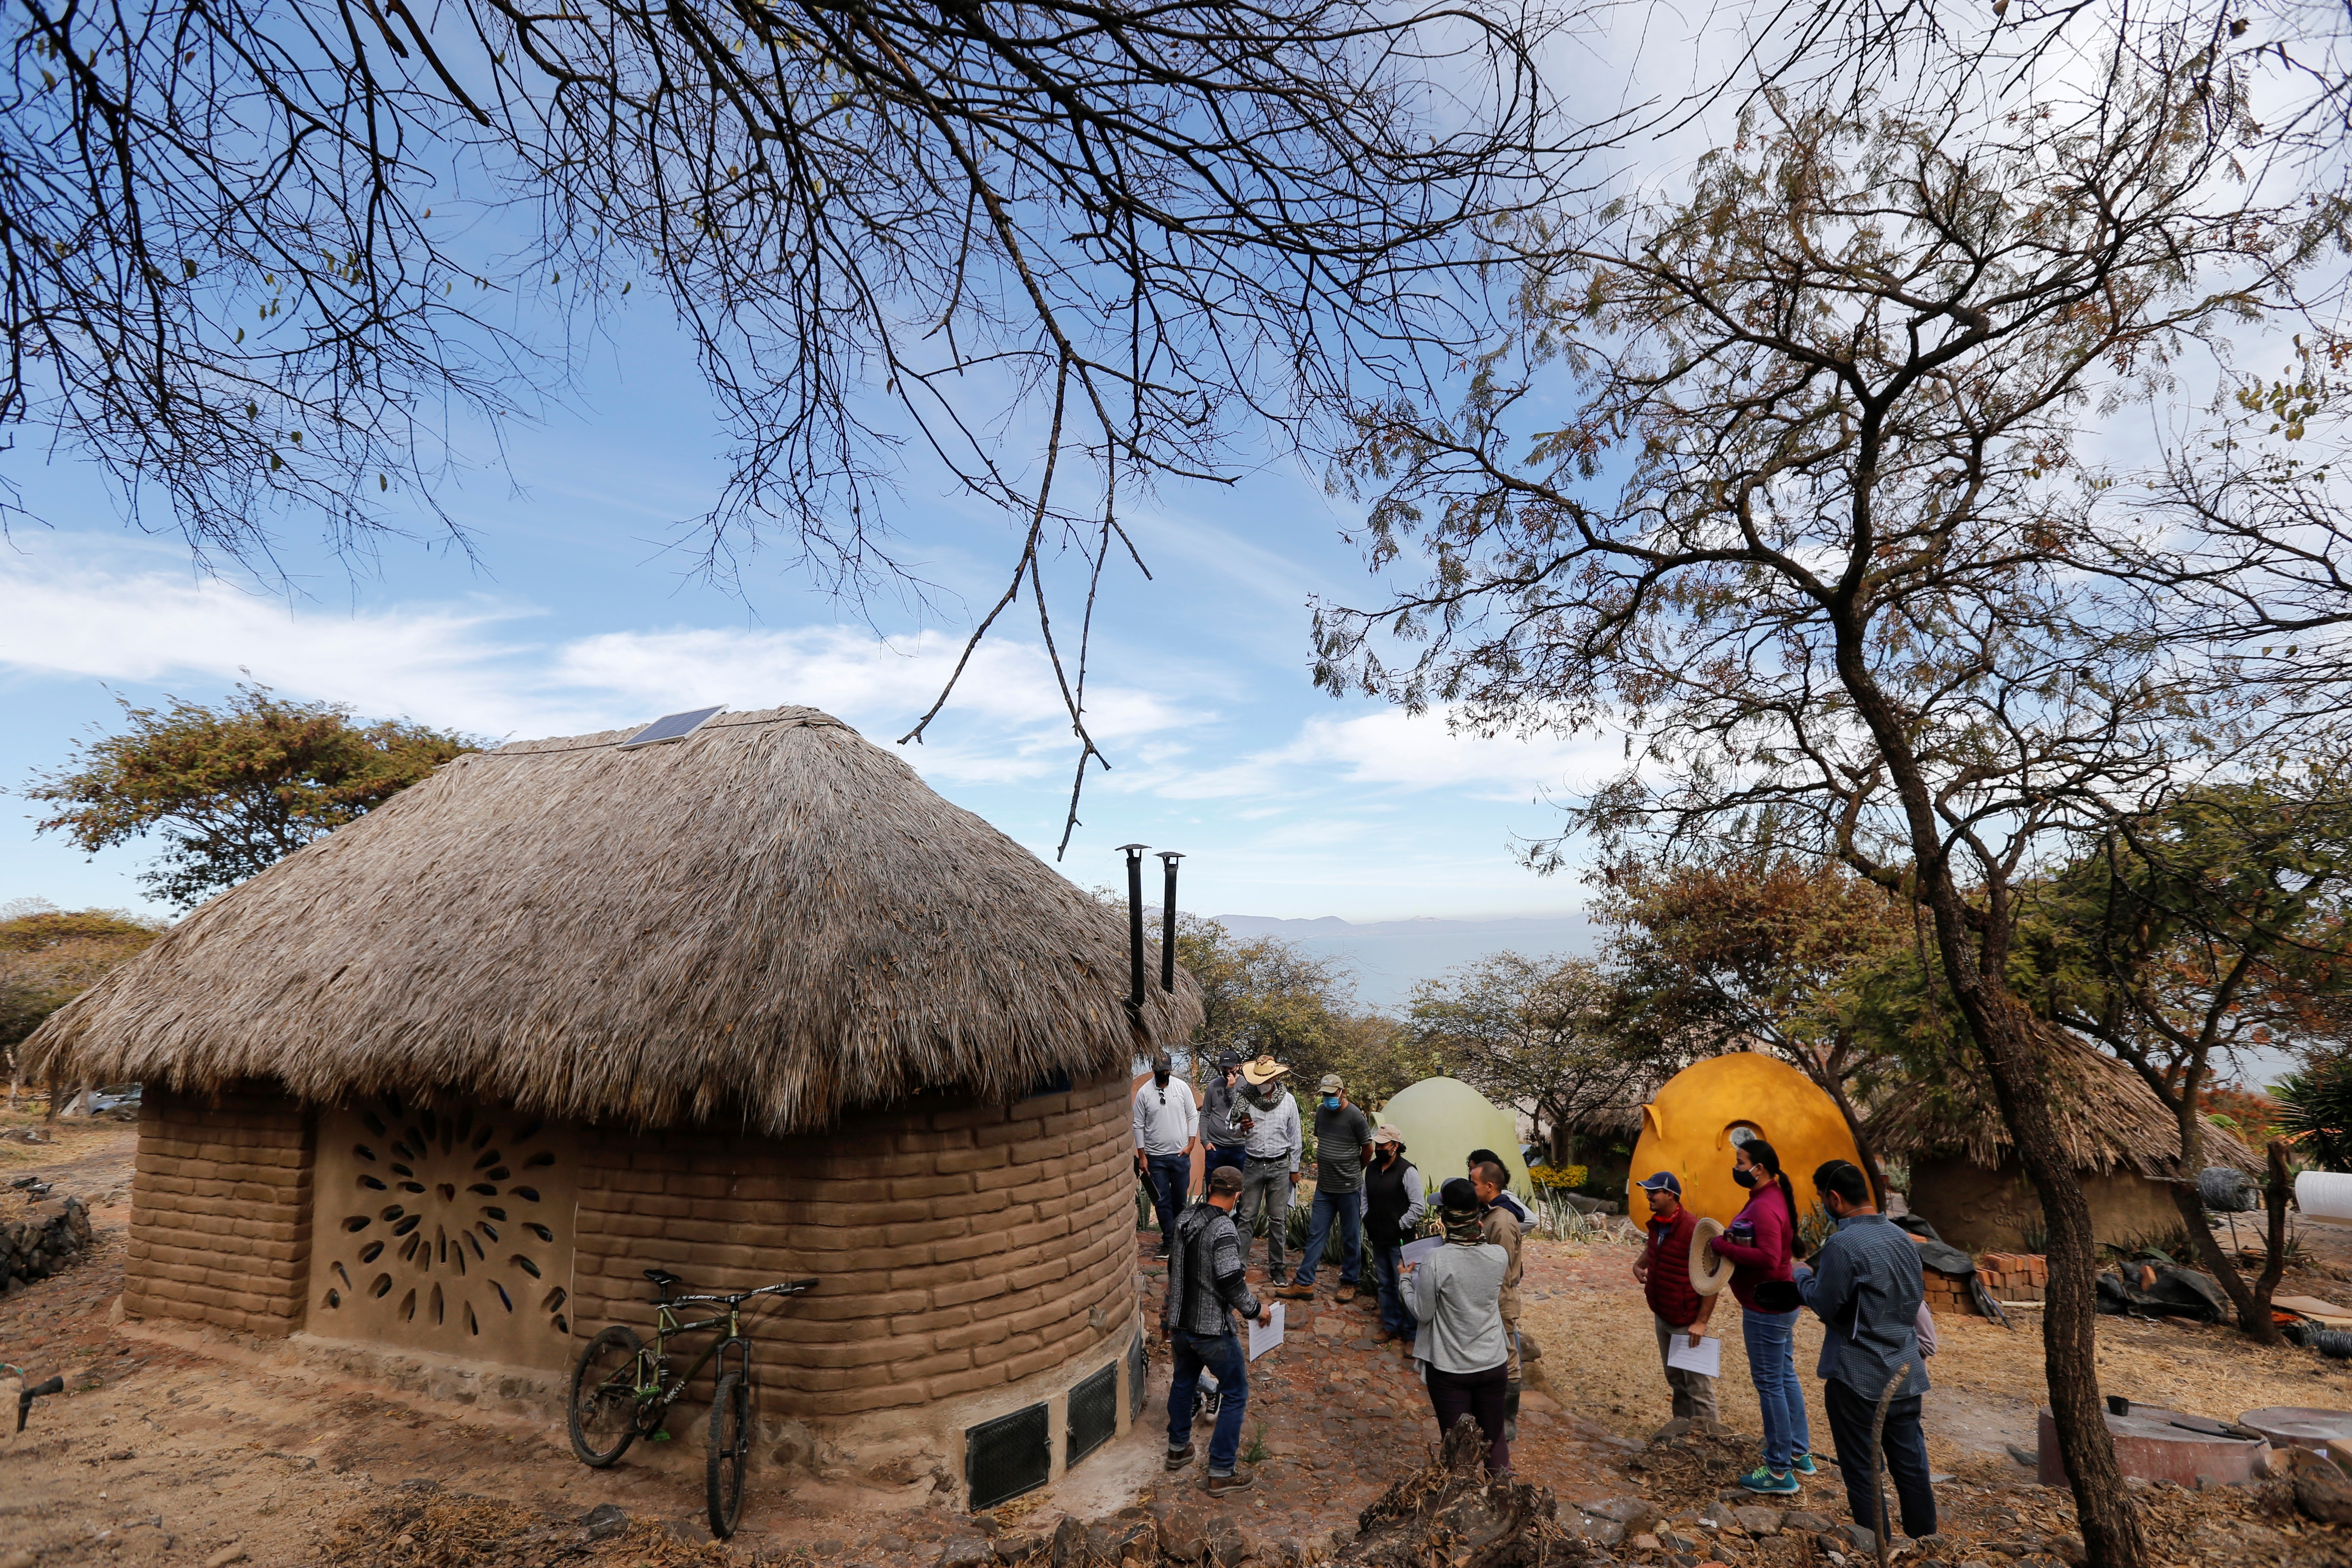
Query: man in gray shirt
[
  {"x": 1222, "y": 1112},
  {"x": 1343, "y": 1144},
  {"x": 1866, "y": 1286}
]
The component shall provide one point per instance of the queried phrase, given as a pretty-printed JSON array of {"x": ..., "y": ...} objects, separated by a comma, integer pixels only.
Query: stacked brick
[
  {"x": 2013, "y": 1276},
  {"x": 220, "y": 1227},
  {"x": 962, "y": 1249},
  {"x": 1948, "y": 1292}
]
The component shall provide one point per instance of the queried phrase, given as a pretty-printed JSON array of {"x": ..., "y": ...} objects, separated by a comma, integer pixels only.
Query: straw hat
[
  {"x": 1265, "y": 1069},
  {"x": 1710, "y": 1271}
]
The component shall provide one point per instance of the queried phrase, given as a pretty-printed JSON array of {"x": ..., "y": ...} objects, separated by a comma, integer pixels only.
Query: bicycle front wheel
[
  {"x": 606, "y": 1382},
  {"x": 730, "y": 1445}
]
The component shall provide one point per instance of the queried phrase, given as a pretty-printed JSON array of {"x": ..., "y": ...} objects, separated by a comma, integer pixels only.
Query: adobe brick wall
[
  {"x": 220, "y": 1219},
  {"x": 962, "y": 1249}
]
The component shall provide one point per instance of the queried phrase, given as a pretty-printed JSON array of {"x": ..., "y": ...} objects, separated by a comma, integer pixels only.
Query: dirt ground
[{"x": 172, "y": 1448}]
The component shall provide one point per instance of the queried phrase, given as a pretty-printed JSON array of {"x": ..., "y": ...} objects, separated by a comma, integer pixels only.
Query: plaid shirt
[{"x": 1204, "y": 1275}]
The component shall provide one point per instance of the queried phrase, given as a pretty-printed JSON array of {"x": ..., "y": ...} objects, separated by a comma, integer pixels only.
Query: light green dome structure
[{"x": 1443, "y": 1118}]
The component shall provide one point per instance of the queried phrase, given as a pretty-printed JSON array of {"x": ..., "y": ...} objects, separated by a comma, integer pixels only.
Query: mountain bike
[{"x": 621, "y": 1389}]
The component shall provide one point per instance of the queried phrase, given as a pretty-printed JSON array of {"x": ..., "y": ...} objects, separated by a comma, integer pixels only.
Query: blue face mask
[{"x": 1330, "y": 1103}]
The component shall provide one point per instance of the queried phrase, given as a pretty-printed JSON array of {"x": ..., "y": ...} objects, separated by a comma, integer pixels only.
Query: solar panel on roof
[{"x": 671, "y": 727}]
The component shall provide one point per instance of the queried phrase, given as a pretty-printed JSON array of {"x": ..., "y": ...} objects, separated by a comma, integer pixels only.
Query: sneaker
[
  {"x": 1179, "y": 1458},
  {"x": 1297, "y": 1292},
  {"x": 1803, "y": 1464},
  {"x": 1770, "y": 1482},
  {"x": 1239, "y": 1481}
]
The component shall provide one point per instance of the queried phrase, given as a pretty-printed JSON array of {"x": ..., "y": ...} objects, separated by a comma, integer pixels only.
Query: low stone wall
[
  {"x": 220, "y": 1224},
  {"x": 44, "y": 1239}
]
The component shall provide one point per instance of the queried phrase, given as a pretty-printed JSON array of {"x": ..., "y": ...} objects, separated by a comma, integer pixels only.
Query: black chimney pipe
[
  {"x": 1134, "y": 853},
  {"x": 1169, "y": 858}
]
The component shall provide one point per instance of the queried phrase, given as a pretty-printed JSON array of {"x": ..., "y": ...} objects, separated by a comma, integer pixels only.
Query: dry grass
[
  {"x": 1600, "y": 1358},
  {"x": 763, "y": 926},
  {"x": 75, "y": 1136},
  {"x": 479, "y": 1532}
]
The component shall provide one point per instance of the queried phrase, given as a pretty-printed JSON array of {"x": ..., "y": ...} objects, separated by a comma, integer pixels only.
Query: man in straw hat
[
  {"x": 1271, "y": 1147},
  {"x": 1205, "y": 1288},
  {"x": 1343, "y": 1144}
]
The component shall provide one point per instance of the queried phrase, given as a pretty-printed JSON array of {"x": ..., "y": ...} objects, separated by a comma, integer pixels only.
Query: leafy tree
[
  {"x": 2215, "y": 922},
  {"x": 1532, "y": 1033},
  {"x": 1801, "y": 510},
  {"x": 48, "y": 956},
  {"x": 233, "y": 790},
  {"x": 2318, "y": 1110},
  {"x": 1756, "y": 950}
]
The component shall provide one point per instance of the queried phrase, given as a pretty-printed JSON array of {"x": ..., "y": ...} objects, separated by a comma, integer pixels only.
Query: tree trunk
[
  {"x": 1870, "y": 1165},
  {"x": 2103, "y": 1510},
  {"x": 2274, "y": 1239},
  {"x": 2254, "y": 1316}
]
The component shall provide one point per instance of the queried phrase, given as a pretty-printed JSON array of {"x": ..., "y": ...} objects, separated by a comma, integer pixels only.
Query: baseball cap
[
  {"x": 1225, "y": 1179},
  {"x": 1331, "y": 1084},
  {"x": 1664, "y": 1181},
  {"x": 1384, "y": 1133},
  {"x": 1162, "y": 1062}
]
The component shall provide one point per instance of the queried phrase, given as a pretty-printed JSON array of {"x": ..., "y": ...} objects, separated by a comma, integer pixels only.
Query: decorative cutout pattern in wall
[{"x": 444, "y": 1228}]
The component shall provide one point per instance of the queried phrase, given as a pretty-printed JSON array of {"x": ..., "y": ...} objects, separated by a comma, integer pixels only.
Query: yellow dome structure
[
  {"x": 1691, "y": 1124},
  {"x": 1443, "y": 1118}
]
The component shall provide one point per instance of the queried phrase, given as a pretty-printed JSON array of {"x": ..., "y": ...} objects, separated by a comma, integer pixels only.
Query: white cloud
[{"x": 1393, "y": 750}]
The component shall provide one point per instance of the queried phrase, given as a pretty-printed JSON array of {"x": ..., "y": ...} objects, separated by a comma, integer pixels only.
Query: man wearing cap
[
  {"x": 1205, "y": 1288},
  {"x": 1664, "y": 1270},
  {"x": 1343, "y": 1144},
  {"x": 1167, "y": 1130},
  {"x": 1222, "y": 1116},
  {"x": 1270, "y": 1115},
  {"x": 1393, "y": 1206}
]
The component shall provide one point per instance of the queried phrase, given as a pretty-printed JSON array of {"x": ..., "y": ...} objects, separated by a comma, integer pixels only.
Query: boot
[{"x": 1511, "y": 1412}]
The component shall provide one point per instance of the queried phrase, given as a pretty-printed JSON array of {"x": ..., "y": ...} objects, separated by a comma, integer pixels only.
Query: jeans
[
  {"x": 1851, "y": 1413},
  {"x": 1387, "y": 1265},
  {"x": 1771, "y": 1340},
  {"x": 1349, "y": 1211},
  {"x": 1222, "y": 1154},
  {"x": 1172, "y": 1189},
  {"x": 1222, "y": 1354},
  {"x": 1265, "y": 1185},
  {"x": 1481, "y": 1395}
]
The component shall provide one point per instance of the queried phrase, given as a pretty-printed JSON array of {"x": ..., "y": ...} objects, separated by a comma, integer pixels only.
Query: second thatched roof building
[{"x": 429, "y": 1096}]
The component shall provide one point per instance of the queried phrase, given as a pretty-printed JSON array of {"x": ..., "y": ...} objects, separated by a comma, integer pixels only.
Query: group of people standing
[
  {"x": 1865, "y": 1286},
  {"x": 1459, "y": 1305}
]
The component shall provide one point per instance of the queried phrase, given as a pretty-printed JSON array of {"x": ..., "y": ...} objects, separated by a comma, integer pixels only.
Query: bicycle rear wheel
[
  {"x": 601, "y": 1414},
  {"x": 730, "y": 1445}
]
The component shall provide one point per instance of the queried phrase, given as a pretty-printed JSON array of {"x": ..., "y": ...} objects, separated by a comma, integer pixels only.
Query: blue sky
[{"x": 576, "y": 616}]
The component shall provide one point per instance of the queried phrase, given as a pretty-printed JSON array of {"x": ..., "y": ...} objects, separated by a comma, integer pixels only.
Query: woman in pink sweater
[{"x": 1760, "y": 1244}]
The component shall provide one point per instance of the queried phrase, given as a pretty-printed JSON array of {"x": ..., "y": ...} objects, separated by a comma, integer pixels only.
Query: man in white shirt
[
  {"x": 1272, "y": 1170},
  {"x": 1167, "y": 1130}
]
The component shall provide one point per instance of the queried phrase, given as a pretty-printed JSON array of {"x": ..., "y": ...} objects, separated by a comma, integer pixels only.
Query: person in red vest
[{"x": 1664, "y": 1270}]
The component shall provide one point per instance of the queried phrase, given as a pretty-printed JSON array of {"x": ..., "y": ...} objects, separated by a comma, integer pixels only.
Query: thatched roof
[
  {"x": 2107, "y": 1116},
  {"x": 766, "y": 924}
]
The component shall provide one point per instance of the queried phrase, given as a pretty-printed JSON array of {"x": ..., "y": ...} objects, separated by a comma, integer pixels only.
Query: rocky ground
[{"x": 174, "y": 1449}]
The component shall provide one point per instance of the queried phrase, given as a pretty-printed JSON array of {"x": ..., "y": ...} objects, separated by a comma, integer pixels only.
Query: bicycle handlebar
[{"x": 788, "y": 1288}]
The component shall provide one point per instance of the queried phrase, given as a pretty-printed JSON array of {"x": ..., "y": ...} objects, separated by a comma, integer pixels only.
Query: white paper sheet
[
  {"x": 1706, "y": 1359},
  {"x": 1415, "y": 1251},
  {"x": 1263, "y": 1340}
]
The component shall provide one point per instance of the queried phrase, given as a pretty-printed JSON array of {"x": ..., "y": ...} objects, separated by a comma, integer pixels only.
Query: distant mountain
[{"x": 1389, "y": 957}]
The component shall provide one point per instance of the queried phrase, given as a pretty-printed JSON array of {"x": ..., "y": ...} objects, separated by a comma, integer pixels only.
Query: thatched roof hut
[
  {"x": 751, "y": 1005},
  {"x": 761, "y": 926},
  {"x": 1965, "y": 1178}
]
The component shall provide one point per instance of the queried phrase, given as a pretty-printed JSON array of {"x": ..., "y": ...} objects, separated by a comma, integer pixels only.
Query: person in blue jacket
[{"x": 1866, "y": 1287}]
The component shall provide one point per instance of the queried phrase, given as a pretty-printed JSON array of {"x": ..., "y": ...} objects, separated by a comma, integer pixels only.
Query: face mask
[
  {"x": 1160, "y": 1077},
  {"x": 1744, "y": 1176},
  {"x": 1330, "y": 1103}
]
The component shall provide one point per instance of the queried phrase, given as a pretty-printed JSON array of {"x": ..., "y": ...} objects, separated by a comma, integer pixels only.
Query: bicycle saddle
[{"x": 663, "y": 1279}]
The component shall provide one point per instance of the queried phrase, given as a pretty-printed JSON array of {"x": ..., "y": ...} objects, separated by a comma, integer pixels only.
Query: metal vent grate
[
  {"x": 1006, "y": 1456},
  {"x": 1135, "y": 1376},
  {"x": 1094, "y": 1414}
]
